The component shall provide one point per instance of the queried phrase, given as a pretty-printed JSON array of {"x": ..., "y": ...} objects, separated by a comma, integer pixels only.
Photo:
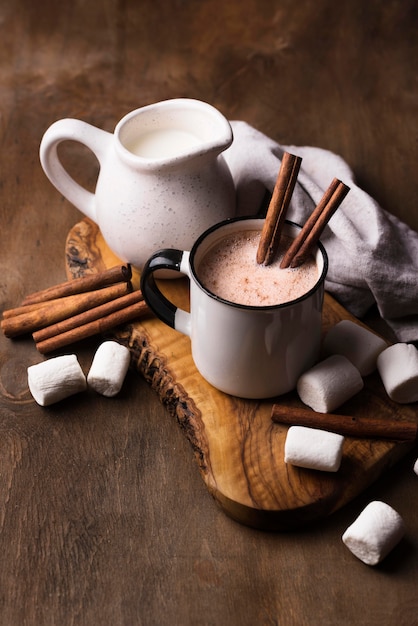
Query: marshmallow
[
  {"x": 374, "y": 533},
  {"x": 108, "y": 369},
  {"x": 313, "y": 448},
  {"x": 329, "y": 383},
  {"x": 416, "y": 467},
  {"x": 398, "y": 369},
  {"x": 56, "y": 379},
  {"x": 356, "y": 343}
]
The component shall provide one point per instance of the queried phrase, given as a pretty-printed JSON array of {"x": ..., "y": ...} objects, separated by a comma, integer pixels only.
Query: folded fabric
[{"x": 373, "y": 256}]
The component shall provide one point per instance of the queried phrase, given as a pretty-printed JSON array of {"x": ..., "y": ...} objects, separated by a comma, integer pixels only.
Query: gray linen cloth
[{"x": 373, "y": 256}]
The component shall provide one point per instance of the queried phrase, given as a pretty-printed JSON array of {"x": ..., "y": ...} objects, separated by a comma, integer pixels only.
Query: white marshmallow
[
  {"x": 356, "y": 343},
  {"x": 416, "y": 467},
  {"x": 329, "y": 383},
  {"x": 109, "y": 368},
  {"x": 313, "y": 448},
  {"x": 56, "y": 379},
  {"x": 398, "y": 369},
  {"x": 374, "y": 533}
]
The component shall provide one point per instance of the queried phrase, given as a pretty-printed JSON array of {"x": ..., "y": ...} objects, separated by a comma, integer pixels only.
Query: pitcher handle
[
  {"x": 95, "y": 139},
  {"x": 164, "y": 309}
]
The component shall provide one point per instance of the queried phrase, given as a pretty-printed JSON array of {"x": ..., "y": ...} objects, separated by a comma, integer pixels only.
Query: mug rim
[{"x": 249, "y": 307}]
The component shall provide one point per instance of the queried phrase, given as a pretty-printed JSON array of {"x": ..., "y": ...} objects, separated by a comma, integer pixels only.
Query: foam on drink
[{"x": 229, "y": 269}]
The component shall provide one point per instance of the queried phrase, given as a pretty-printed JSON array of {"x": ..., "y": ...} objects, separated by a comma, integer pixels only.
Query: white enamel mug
[{"x": 246, "y": 351}]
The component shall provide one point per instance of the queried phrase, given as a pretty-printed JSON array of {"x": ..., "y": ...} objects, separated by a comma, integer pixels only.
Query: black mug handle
[{"x": 164, "y": 309}]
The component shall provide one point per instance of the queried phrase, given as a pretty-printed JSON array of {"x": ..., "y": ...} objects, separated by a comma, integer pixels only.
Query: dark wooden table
[{"x": 104, "y": 518}]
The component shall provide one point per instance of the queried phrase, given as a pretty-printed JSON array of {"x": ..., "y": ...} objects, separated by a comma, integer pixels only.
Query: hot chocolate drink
[{"x": 229, "y": 270}]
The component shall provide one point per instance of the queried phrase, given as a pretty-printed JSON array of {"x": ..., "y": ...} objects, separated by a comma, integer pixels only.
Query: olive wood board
[{"x": 238, "y": 449}]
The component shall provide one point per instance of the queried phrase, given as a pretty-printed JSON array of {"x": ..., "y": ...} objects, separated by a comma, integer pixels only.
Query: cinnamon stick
[
  {"x": 27, "y": 308},
  {"x": 369, "y": 427},
  {"x": 276, "y": 212},
  {"x": 102, "y": 325},
  {"x": 117, "y": 274},
  {"x": 87, "y": 316},
  {"x": 309, "y": 235},
  {"x": 61, "y": 308}
]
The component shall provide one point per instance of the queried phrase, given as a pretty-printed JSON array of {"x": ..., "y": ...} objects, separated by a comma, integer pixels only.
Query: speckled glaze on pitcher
[{"x": 162, "y": 180}]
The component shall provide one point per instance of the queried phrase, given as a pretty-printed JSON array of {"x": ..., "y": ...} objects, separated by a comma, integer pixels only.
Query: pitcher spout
[{"x": 172, "y": 132}]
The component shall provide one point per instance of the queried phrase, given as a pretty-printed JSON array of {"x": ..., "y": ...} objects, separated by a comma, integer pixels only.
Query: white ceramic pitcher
[{"x": 162, "y": 180}]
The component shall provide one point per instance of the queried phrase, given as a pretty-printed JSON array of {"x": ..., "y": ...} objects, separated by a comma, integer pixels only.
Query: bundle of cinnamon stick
[
  {"x": 309, "y": 235},
  {"x": 76, "y": 309}
]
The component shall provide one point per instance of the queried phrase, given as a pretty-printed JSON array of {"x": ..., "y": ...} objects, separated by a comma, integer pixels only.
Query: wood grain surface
[
  {"x": 104, "y": 516},
  {"x": 238, "y": 449}
]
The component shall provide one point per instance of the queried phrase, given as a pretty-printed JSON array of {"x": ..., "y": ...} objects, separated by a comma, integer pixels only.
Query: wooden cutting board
[{"x": 238, "y": 449}]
